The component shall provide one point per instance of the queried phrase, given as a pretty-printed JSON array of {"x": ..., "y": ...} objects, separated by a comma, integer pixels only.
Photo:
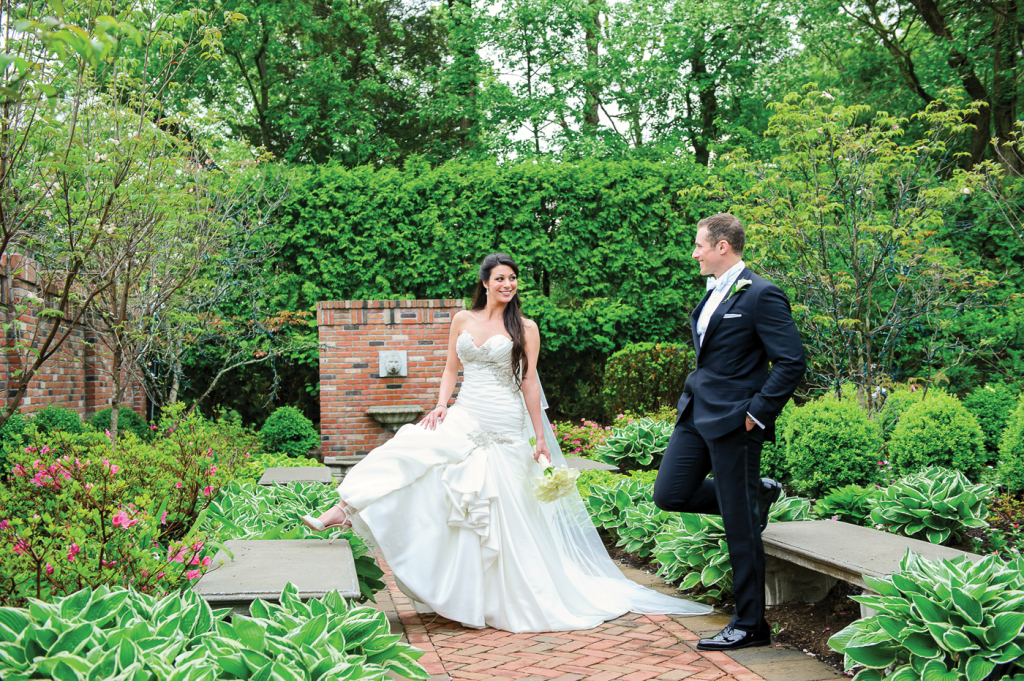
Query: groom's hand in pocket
[{"x": 750, "y": 424}]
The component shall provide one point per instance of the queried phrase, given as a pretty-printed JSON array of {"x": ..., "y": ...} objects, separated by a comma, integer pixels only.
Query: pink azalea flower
[
  {"x": 106, "y": 431},
  {"x": 20, "y": 547},
  {"x": 206, "y": 561},
  {"x": 72, "y": 552},
  {"x": 19, "y": 470},
  {"x": 198, "y": 546},
  {"x": 45, "y": 450},
  {"x": 160, "y": 575},
  {"x": 114, "y": 468},
  {"x": 4, "y": 524},
  {"x": 213, "y": 469},
  {"x": 192, "y": 574},
  {"x": 177, "y": 485},
  {"x": 49, "y": 569},
  {"x": 121, "y": 519},
  {"x": 195, "y": 560},
  {"x": 208, "y": 490},
  {"x": 178, "y": 557},
  {"x": 163, "y": 518}
]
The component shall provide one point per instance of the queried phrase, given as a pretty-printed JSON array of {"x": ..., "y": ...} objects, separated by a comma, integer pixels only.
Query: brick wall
[
  {"x": 352, "y": 333},
  {"x": 77, "y": 376}
]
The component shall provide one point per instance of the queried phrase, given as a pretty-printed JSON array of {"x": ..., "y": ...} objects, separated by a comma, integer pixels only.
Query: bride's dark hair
[{"x": 513, "y": 315}]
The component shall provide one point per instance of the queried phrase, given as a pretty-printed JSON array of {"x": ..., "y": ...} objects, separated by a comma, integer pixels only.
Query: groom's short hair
[{"x": 725, "y": 226}]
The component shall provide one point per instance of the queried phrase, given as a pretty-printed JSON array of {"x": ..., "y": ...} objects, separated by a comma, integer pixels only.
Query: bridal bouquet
[{"x": 553, "y": 483}]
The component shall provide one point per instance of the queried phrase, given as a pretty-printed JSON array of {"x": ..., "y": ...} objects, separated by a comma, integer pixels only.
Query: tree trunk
[
  {"x": 708, "y": 96},
  {"x": 115, "y": 400},
  {"x": 593, "y": 90},
  {"x": 1004, "y": 86}
]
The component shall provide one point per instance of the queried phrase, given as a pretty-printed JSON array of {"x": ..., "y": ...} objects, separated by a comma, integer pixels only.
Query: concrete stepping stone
[
  {"x": 262, "y": 567},
  {"x": 588, "y": 464},
  {"x": 283, "y": 476}
]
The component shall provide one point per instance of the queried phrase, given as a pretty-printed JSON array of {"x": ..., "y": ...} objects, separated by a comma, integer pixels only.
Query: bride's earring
[{"x": 487, "y": 291}]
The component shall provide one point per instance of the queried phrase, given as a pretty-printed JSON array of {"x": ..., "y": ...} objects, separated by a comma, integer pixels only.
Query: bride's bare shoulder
[
  {"x": 531, "y": 327},
  {"x": 461, "y": 318}
]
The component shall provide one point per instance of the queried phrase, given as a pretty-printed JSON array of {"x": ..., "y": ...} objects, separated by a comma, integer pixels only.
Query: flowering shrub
[
  {"x": 126, "y": 420},
  {"x": 580, "y": 439},
  {"x": 81, "y": 512}
]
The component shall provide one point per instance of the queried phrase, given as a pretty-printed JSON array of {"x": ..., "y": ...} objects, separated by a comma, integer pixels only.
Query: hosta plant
[
  {"x": 934, "y": 504},
  {"x": 248, "y": 511},
  {"x": 638, "y": 444},
  {"x": 695, "y": 549},
  {"x": 607, "y": 504},
  {"x": 641, "y": 524},
  {"x": 124, "y": 634},
  {"x": 849, "y": 504},
  {"x": 950, "y": 620}
]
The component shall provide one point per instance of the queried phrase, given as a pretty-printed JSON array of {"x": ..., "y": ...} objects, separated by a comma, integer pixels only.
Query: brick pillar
[{"x": 352, "y": 333}]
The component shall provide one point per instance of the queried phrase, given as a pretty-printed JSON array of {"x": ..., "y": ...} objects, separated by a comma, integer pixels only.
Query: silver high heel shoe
[{"x": 317, "y": 526}]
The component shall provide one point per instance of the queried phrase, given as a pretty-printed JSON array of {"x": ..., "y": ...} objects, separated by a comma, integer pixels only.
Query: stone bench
[
  {"x": 804, "y": 559},
  {"x": 582, "y": 464},
  {"x": 283, "y": 476},
  {"x": 262, "y": 567}
]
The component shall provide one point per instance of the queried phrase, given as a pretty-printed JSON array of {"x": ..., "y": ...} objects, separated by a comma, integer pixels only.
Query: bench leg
[{"x": 786, "y": 582}]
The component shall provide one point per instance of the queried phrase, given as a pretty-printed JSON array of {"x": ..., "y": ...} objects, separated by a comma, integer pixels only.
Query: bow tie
[{"x": 714, "y": 283}]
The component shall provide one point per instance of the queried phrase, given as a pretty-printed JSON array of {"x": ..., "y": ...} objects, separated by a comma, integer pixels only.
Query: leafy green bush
[
  {"x": 941, "y": 620},
  {"x": 126, "y": 420},
  {"x": 849, "y": 504},
  {"x": 258, "y": 462},
  {"x": 79, "y": 512},
  {"x": 288, "y": 431},
  {"x": 938, "y": 431},
  {"x": 991, "y": 404},
  {"x": 124, "y": 634},
  {"x": 1011, "y": 451},
  {"x": 12, "y": 434},
  {"x": 902, "y": 397},
  {"x": 607, "y": 505},
  {"x": 590, "y": 479},
  {"x": 773, "y": 454},
  {"x": 830, "y": 442},
  {"x": 933, "y": 504},
  {"x": 645, "y": 376},
  {"x": 250, "y": 511},
  {"x": 638, "y": 444},
  {"x": 52, "y": 419}
]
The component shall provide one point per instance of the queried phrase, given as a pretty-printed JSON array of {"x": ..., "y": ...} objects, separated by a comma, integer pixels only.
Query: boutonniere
[{"x": 738, "y": 286}]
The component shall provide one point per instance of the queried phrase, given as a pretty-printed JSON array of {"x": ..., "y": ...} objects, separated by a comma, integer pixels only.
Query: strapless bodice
[{"x": 489, "y": 391}]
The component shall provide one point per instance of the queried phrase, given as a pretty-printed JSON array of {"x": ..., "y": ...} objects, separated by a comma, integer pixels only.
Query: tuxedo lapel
[
  {"x": 694, "y": 316},
  {"x": 723, "y": 308}
]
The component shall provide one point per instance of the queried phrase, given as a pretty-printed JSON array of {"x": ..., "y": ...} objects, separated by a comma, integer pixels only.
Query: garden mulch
[{"x": 630, "y": 648}]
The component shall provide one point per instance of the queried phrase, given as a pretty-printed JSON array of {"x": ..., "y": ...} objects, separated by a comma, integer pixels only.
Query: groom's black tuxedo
[{"x": 748, "y": 333}]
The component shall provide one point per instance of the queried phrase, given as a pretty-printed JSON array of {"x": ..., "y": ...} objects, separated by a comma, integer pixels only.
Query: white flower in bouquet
[{"x": 554, "y": 483}]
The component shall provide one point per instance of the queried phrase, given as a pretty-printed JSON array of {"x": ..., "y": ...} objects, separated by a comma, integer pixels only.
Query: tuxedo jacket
[{"x": 749, "y": 332}]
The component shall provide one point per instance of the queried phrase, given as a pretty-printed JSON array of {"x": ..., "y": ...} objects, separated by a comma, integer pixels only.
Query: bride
[{"x": 449, "y": 501}]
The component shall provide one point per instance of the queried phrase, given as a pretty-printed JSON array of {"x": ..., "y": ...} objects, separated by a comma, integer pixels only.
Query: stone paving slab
[
  {"x": 631, "y": 648},
  {"x": 588, "y": 464},
  {"x": 282, "y": 476}
]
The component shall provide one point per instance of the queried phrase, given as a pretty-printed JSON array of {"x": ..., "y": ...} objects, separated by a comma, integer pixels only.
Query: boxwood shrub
[
  {"x": 288, "y": 431},
  {"x": 1011, "y": 451},
  {"x": 828, "y": 443},
  {"x": 938, "y": 431},
  {"x": 991, "y": 404},
  {"x": 57, "y": 419}
]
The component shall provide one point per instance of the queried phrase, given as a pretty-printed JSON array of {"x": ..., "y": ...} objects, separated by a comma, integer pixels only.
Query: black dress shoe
[
  {"x": 731, "y": 638},
  {"x": 770, "y": 492}
]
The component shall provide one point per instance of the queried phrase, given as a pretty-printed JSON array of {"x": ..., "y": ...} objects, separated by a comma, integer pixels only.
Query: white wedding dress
[{"x": 453, "y": 512}]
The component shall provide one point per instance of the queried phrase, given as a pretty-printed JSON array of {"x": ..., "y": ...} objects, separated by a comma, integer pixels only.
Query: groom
[{"x": 727, "y": 411}]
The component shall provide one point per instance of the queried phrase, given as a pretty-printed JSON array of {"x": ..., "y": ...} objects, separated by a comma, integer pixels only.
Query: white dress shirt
[{"x": 720, "y": 287}]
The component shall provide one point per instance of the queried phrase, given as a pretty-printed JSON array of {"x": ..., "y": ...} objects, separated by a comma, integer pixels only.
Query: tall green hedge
[{"x": 603, "y": 248}]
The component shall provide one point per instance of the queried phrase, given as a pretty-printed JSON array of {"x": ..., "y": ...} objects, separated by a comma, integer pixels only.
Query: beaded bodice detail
[{"x": 494, "y": 356}]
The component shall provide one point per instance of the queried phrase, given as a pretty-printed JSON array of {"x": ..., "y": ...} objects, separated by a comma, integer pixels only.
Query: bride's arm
[
  {"x": 449, "y": 377},
  {"x": 531, "y": 389}
]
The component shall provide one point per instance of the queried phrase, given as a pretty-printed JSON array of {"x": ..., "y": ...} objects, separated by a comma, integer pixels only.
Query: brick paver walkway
[{"x": 630, "y": 648}]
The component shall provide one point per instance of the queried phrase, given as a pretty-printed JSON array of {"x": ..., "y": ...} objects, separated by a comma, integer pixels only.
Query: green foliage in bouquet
[
  {"x": 938, "y": 431},
  {"x": 849, "y": 504},
  {"x": 638, "y": 444},
  {"x": 695, "y": 549},
  {"x": 53, "y": 419},
  {"x": 259, "y": 461},
  {"x": 991, "y": 404},
  {"x": 288, "y": 431},
  {"x": 934, "y": 504},
  {"x": 645, "y": 376},
  {"x": 127, "y": 420},
  {"x": 80, "y": 512},
  {"x": 641, "y": 525},
  {"x": 250, "y": 511},
  {"x": 1011, "y": 452},
  {"x": 950, "y": 620},
  {"x": 117, "y": 633},
  {"x": 830, "y": 442}
]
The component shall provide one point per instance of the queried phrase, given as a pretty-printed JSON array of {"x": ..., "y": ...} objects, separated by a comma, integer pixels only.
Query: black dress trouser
[{"x": 683, "y": 486}]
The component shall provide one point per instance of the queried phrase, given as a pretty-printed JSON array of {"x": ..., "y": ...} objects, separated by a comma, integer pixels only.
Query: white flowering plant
[{"x": 553, "y": 482}]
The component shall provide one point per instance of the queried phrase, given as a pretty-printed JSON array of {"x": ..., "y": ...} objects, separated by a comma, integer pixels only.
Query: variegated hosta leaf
[
  {"x": 121, "y": 634},
  {"x": 639, "y": 443},
  {"x": 933, "y": 505}
]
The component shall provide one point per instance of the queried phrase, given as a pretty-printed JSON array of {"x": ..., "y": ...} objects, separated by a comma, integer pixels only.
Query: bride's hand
[
  {"x": 541, "y": 449},
  {"x": 432, "y": 420}
]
